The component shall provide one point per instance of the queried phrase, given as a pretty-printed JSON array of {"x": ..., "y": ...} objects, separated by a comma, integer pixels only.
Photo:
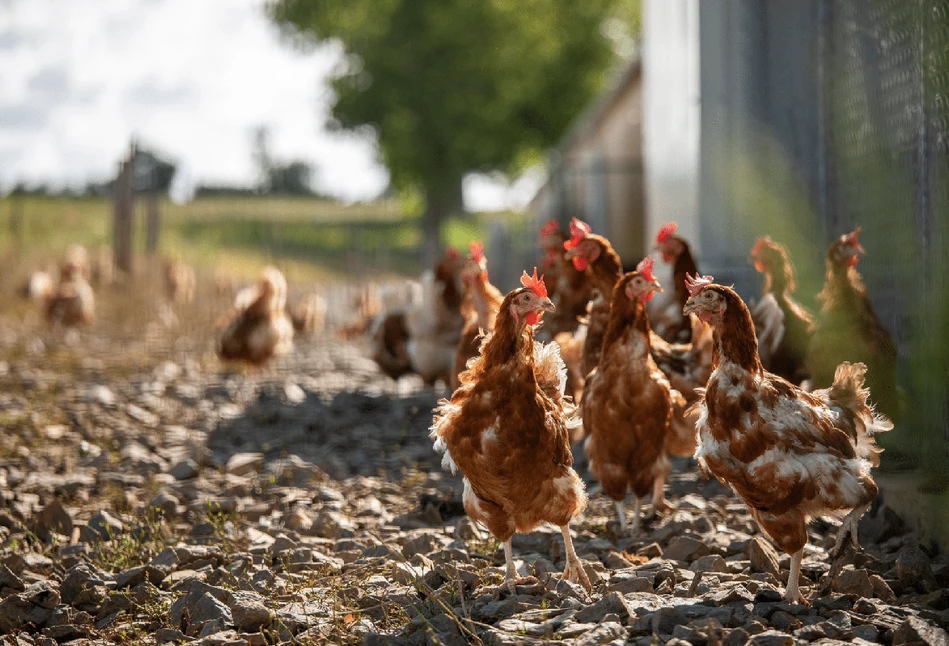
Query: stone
[
  {"x": 468, "y": 530},
  {"x": 421, "y": 544},
  {"x": 762, "y": 556},
  {"x": 242, "y": 464},
  {"x": 881, "y": 589},
  {"x": 332, "y": 524},
  {"x": 248, "y": 611},
  {"x": 916, "y": 631},
  {"x": 54, "y": 518},
  {"x": 685, "y": 548},
  {"x": 165, "y": 503},
  {"x": 103, "y": 526},
  {"x": 854, "y": 581},
  {"x": 771, "y": 638},
  {"x": 709, "y": 563},
  {"x": 9, "y": 580},
  {"x": 914, "y": 570},
  {"x": 612, "y": 602},
  {"x": 626, "y": 581},
  {"x": 185, "y": 470},
  {"x": 78, "y": 578},
  {"x": 208, "y": 609},
  {"x": 605, "y": 633}
]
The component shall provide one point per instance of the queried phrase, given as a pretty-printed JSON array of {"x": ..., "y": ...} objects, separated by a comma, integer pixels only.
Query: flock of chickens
[
  {"x": 258, "y": 327},
  {"x": 773, "y": 402}
]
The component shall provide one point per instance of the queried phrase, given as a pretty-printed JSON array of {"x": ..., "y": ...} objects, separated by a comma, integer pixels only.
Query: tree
[{"x": 454, "y": 86}]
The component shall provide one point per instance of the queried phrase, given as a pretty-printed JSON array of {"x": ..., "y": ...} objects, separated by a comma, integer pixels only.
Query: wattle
[{"x": 580, "y": 263}]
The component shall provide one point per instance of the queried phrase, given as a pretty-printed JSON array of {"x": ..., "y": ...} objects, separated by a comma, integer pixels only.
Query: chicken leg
[
  {"x": 659, "y": 503},
  {"x": 573, "y": 571},
  {"x": 848, "y": 527},
  {"x": 792, "y": 593},
  {"x": 621, "y": 516},
  {"x": 510, "y": 572}
]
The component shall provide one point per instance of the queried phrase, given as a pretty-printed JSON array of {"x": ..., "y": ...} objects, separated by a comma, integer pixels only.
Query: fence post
[
  {"x": 152, "y": 223},
  {"x": 16, "y": 221},
  {"x": 123, "y": 213}
]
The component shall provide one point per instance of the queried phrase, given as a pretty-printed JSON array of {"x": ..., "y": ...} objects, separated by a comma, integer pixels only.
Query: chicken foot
[
  {"x": 621, "y": 515},
  {"x": 848, "y": 527},
  {"x": 510, "y": 573},
  {"x": 573, "y": 571},
  {"x": 792, "y": 593}
]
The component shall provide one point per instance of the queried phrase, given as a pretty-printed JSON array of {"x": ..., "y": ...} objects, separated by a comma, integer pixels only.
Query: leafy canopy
[{"x": 452, "y": 86}]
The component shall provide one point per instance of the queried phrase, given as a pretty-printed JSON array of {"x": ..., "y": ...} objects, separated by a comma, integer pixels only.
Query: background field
[{"x": 308, "y": 238}]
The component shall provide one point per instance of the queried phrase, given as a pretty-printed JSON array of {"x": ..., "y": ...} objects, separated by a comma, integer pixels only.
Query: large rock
[
  {"x": 685, "y": 548},
  {"x": 242, "y": 464},
  {"x": 103, "y": 526},
  {"x": 914, "y": 570},
  {"x": 54, "y": 518},
  {"x": 762, "y": 556},
  {"x": 852, "y": 581},
  {"x": 611, "y": 603},
  {"x": 917, "y": 631},
  {"x": 248, "y": 611}
]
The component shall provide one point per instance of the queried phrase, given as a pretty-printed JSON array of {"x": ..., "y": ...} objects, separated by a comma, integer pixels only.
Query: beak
[
  {"x": 656, "y": 287},
  {"x": 547, "y": 305},
  {"x": 570, "y": 254},
  {"x": 689, "y": 307},
  {"x": 858, "y": 248}
]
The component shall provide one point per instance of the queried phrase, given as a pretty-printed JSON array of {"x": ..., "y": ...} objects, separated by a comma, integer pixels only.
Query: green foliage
[{"x": 462, "y": 85}]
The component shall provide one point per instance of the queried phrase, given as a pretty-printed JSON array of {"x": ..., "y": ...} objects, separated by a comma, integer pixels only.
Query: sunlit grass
[{"x": 309, "y": 239}]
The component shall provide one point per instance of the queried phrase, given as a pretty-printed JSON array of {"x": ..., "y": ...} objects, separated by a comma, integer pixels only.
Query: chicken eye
[{"x": 526, "y": 298}]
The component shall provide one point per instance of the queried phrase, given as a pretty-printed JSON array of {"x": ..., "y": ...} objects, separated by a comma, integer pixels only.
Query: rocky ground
[{"x": 151, "y": 496}]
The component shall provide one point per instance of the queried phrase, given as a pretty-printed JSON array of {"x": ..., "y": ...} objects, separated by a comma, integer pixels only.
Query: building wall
[
  {"x": 597, "y": 173},
  {"x": 671, "y": 115},
  {"x": 607, "y": 177}
]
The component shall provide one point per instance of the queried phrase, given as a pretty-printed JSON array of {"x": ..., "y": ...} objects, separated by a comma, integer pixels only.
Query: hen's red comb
[
  {"x": 854, "y": 237},
  {"x": 696, "y": 284},
  {"x": 578, "y": 231},
  {"x": 477, "y": 250},
  {"x": 534, "y": 283},
  {"x": 760, "y": 245},
  {"x": 645, "y": 268},
  {"x": 666, "y": 232},
  {"x": 451, "y": 253},
  {"x": 550, "y": 228}
]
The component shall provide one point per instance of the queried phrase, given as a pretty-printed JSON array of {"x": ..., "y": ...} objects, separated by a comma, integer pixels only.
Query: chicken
[
  {"x": 38, "y": 288},
  {"x": 669, "y": 323},
  {"x": 480, "y": 306},
  {"x": 505, "y": 429},
  {"x": 72, "y": 302},
  {"x": 627, "y": 404},
  {"x": 258, "y": 331},
  {"x": 434, "y": 325},
  {"x": 309, "y": 316},
  {"x": 687, "y": 366},
  {"x": 784, "y": 325},
  {"x": 571, "y": 290},
  {"x": 595, "y": 255},
  {"x": 789, "y": 454},
  {"x": 848, "y": 330},
  {"x": 180, "y": 281}
]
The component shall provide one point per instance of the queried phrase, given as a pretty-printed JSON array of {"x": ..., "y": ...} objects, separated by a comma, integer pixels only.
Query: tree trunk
[{"x": 439, "y": 203}]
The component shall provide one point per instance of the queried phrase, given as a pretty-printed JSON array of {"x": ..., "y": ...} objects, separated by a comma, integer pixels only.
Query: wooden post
[
  {"x": 16, "y": 221},
  {"x": 124, "y": 214},
  {"x": 152, "y": 223}
]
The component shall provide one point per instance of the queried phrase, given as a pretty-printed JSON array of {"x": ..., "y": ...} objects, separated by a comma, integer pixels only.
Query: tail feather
[{"x": 848, "y": 392}]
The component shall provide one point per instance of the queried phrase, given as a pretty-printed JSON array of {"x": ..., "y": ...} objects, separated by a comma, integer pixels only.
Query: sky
[{"x": 190, "y": 79}]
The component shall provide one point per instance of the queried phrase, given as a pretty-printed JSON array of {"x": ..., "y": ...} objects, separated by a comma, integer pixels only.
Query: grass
[{"x": 308, "y": 238}]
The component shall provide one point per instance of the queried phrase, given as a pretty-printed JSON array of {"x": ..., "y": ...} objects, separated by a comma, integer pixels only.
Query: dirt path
[{"x": 161, "y": 499}]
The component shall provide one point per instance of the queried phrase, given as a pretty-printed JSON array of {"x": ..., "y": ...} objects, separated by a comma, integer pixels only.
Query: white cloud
[{"x": 192, "y": 79}]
